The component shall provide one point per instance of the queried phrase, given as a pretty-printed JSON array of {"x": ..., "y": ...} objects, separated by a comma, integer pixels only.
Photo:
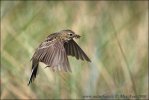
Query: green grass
[{"x": 114, "y": 36}]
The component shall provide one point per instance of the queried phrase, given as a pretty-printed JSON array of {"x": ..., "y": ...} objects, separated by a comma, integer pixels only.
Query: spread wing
[
  {"x": 73, "y": 49},
  {"x": 53, "y": 54}
]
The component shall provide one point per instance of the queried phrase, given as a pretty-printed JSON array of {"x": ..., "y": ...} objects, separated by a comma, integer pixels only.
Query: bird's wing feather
[
  {"x": 40, "y": 51},
  {"x": 73, "y": 49},
  {"x": 53, "y": 54}
]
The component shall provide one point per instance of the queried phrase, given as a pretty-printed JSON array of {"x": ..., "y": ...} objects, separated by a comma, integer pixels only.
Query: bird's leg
[{"x": 53, "y": 69}]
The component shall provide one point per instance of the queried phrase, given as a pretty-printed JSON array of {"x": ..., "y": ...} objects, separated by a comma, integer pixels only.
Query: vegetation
[{"x": 114, "y": 36}]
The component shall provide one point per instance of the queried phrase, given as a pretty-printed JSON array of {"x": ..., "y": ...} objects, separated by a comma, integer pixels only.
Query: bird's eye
[{"x": 70, "y": 34}]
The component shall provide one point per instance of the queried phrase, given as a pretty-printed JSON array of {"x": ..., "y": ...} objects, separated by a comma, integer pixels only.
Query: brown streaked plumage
[{"x": 54, "y": 51}]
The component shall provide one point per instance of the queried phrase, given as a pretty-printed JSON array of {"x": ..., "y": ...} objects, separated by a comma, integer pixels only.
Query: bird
[{"x": 54, "y": 52}]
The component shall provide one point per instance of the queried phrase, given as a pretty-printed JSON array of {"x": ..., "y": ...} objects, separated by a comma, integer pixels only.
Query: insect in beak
[{"x": 77, "y": 36}]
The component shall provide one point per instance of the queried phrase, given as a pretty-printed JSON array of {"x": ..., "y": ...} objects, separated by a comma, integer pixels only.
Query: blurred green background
[{"x": 114, "y": 36}]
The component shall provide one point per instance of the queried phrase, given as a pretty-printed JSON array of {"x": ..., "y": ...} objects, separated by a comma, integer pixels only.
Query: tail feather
[{"x": 34, "y": 71}]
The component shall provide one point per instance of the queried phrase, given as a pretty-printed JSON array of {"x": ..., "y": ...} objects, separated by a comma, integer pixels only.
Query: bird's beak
[{"x": 77, "y": 36}]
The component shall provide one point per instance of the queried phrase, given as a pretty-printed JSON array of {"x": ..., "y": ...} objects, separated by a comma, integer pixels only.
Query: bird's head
[{"x": 68, "y": 35}]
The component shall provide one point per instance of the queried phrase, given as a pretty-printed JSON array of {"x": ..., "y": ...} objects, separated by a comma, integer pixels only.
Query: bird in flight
[{"x": 53, "y": 52}]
